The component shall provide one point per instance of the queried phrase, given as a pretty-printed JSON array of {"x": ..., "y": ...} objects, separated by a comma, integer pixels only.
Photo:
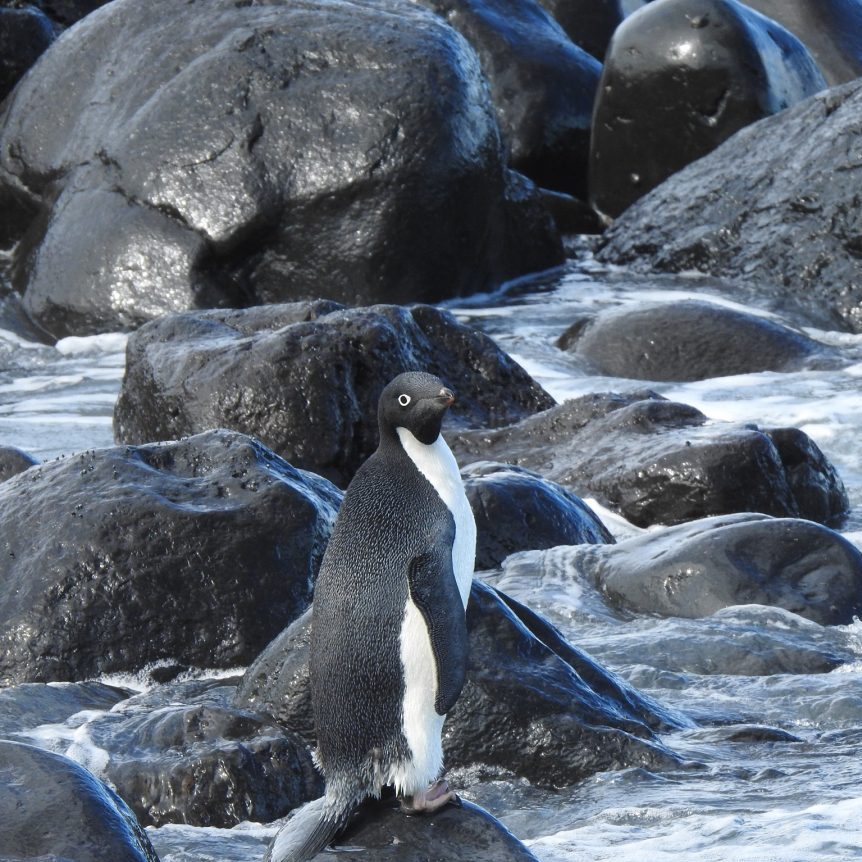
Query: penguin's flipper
[{"x": 434, "y": 591}]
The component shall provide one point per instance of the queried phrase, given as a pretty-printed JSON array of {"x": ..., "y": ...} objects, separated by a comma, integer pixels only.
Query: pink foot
[{"x": 427, "y": 801}]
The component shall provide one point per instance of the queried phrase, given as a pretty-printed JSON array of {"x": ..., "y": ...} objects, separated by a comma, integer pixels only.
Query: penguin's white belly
[{"x": 422, "y": 726}]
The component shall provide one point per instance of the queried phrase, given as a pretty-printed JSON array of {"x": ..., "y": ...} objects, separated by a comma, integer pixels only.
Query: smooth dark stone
[
  {"x": 237, "y": 168},
  {"x": 14, "y": 461},
  {"x": 198, "y": 552},
  {"x": 659, "y": 462},
  {"x": 830, "y": 29},
  {"x": 695, "y": 569},
  {"x": 690, "y": 340},
  {"x": 380, "y": 831},
  {"x": 518, "y": 510},
  {"x": 25, "y": 706},
  {"x": 542, "y": 84},
  {"x": 679, "y": 78},
  {"x": 532, "y": 705},
  {"x": 310, "y": 375},
  {"x": 204, "y": 765},
  {"x": 24, "y": 35},
  {"x": 588, "y": 23},
  {"x": 52, "y": 807},
  {"x": 775, "y": 207}
]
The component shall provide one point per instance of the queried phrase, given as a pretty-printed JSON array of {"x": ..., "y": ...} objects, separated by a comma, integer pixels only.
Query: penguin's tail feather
[{"x": 308, "y": 831}]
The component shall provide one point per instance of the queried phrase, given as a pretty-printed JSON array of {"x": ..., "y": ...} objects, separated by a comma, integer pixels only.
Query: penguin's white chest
[
  {"x": 422, "y": 726},
  {"x": 438, "y": 465}
]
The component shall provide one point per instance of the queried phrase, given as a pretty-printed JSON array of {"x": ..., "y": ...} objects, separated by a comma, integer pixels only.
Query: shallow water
[{"x": 773, "y": 772}]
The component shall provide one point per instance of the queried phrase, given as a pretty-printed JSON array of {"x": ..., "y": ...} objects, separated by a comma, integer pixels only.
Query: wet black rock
[
  {"x": 231, "y": 154},
  {"x": 516, "y": 510},
  {"x": 25, "y": 34},
  {"x": 830, "y": 29},
  {"x": 695, "y": 569},
  {"x": 532, "y": 705},
  {"x": 690, "y": 340},
  {"x": 14, "y": 461},
  {"x": 305, "y": 377},
  {"x": 198, "y": 551},
  {"x": 542, "y": 84},
  {"x": 380, "y": 832},
  {"x": 203, "y": 764},
  {"x": 774, "y": 207},
  {"x": 659, "y": 462},
  {"x": 52, "y": 808},
  {"x": 588, "y": 23},
  {"x": 680, "y": 77},
  {"x": 25, "y": 706}
]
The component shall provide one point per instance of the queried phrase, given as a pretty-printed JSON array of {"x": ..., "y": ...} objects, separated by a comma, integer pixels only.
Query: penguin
[{"x": 388, "y": 649}]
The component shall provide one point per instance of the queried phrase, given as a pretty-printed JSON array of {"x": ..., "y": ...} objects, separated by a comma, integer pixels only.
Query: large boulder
[
  {"x": 696, "y": 569},
  {"x": 516, "y": 510},
  {"x": 181, "y": 754},
  {"x": 52, "y": 808},
  {"x": 25, "y": 34},
  {"x": 542, "y": 84},
  {"x": 659, "y": 462},
  {"x": 689, "y": 340},
  {"x": 533, "y": 705},
  {"x": 305, "y": 377},
  {"x": 198, "y": 551},
  {"x": 775, "y": 207},
  {"x": 680, "y": 77},
  {"x": 161, "y": 157},
  {"x": 830, "y": 29},
  {"x": 379, "y": 832}
]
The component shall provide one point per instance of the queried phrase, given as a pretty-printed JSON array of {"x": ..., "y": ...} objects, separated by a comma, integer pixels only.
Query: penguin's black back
[{"x": 390, "y": 515}]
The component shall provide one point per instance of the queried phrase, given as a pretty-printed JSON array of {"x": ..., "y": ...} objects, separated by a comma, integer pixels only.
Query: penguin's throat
[{"x": 436, "y": 463}]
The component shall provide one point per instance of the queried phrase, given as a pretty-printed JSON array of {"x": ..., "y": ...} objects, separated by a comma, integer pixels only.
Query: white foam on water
[
  {"x": 108, "y": 342},
  {"x": 72, "y": 739},
  {"x": 823, "y": 832},
  {"x": 141, "y": 680}
]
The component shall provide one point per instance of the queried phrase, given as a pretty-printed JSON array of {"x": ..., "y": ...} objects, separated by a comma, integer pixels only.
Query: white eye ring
[{"x": 403, "y": 400}]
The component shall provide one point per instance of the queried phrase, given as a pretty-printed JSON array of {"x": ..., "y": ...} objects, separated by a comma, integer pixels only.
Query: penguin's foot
[{"x": 427, "y": 801}]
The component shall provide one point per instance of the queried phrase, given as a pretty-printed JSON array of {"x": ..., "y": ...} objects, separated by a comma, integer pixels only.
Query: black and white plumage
[{"x": 389, "y": 639}]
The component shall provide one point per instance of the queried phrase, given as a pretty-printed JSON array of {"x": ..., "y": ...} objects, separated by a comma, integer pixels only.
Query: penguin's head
[{"x": 415, "y": 401}]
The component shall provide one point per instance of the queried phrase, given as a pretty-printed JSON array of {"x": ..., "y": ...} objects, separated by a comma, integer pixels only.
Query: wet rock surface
[
  {"x": 357, "y": 141},
  {"x": 181, "y": 754},
  {"x": 52, "y": 808},
  {"x": 380, "y": 831},
  {"x": 198, "y": 551},
  {"x": 516, "y": 510},
  {"x": 533, "y": 705},
  {"x": 830, "y": 29},
  {"x": 542, "y": 84},
  {"x": 690, "y": 340},
  {"x": 680, "y": 77},
  {"x": 773, "y": 207},
  {"x": 696, "y": 569},
  {"x": 659, "y": 462},
  {"x": 305, "y": 377}
]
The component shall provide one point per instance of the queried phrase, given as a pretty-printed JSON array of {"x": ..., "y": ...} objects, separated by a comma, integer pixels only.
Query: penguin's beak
[{"x": 447, "y": 396}]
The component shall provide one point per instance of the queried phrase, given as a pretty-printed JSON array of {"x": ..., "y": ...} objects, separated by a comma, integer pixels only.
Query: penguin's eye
[{"x": 403, "y": 400}]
